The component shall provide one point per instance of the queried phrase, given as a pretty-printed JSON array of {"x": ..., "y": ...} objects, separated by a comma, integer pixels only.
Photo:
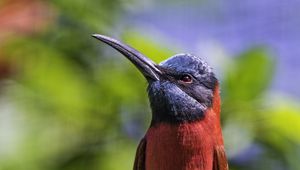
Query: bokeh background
[{"x": 69, "y": 102}]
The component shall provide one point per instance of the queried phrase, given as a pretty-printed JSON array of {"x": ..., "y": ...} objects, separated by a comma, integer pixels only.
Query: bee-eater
[{"x": 185, "y": 131}]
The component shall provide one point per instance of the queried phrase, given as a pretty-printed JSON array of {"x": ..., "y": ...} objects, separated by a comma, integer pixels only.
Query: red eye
[{"x": 186, "y": 78}]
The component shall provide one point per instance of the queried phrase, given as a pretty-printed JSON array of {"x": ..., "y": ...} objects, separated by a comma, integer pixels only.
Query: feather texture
[{"x": 194, "y": 145}]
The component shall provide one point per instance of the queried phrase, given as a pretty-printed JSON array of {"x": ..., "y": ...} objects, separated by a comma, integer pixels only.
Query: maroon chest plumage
[{"x": 178, "y": 146}]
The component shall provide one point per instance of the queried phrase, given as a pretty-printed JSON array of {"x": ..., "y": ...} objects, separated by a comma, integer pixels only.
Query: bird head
[{"x": 180, "y": 88}]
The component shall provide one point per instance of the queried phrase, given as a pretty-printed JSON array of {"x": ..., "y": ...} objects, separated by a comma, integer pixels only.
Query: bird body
[
  {"x": 185, "y": 146},
  {"x": 185, "y": 132}
]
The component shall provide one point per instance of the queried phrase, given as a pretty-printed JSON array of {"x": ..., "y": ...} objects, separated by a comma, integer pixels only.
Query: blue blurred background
[{"x": 69, "y": 102}]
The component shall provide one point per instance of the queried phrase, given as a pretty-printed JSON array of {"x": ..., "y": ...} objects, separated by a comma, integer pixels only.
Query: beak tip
[
  {"x": 95, "y": 35},
  {"x": 103, "y": 38}
]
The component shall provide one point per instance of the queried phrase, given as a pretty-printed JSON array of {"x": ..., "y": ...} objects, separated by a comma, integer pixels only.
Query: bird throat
[{"x": 182, "y": 112}]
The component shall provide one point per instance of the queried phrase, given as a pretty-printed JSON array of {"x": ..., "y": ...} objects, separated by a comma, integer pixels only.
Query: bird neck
[
  {"x": 216, "y": 106},
  {"x": 186, "y": 145},
  {"x": 209, "y": 118},
  {"x": 213, "y": 117}
]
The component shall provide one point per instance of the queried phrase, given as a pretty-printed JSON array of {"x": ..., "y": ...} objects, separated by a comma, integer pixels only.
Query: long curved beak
[{"x": 147, "y": 67}]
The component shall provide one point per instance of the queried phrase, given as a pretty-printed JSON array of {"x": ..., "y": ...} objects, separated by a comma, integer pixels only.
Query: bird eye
[{"x": 186, "y": 78}]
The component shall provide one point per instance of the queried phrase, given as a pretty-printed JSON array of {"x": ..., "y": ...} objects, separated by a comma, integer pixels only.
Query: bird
[{"x": 185, "y": 130}]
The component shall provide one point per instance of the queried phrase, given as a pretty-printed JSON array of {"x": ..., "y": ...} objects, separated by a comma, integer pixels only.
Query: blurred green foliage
[
  {"x": 70, "y": 104},
  {"x": 253, "y": 70},
  {"x": 254, "y": 119}
]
